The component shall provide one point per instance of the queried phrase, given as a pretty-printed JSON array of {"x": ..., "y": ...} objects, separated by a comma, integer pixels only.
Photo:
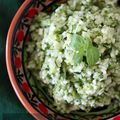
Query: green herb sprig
[{"x": 84, "y": 47}]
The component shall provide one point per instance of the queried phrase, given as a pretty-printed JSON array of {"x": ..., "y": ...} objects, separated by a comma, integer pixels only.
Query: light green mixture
[{"x": 75, "y": 51}]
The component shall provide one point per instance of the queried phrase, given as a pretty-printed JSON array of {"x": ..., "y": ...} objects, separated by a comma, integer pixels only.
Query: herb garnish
[{"x": 84, "y": 47}]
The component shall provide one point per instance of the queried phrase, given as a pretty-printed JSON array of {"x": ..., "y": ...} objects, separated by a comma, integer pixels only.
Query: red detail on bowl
[
  {"x": 99, "y": 118},
  {"x": 26, "y": 87},
  {"x": 32, "y": 12},
  {"x": 18, "y": 62},
  {"x": 43, "y": 109},
  {"x": 27, "y": 38},
  {"x": 20, "y": 36},
  {"x": 116, "y": 118}
]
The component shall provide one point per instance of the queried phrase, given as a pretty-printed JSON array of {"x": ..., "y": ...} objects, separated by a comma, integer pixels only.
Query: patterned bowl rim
[{"x": 13, "y": 81}]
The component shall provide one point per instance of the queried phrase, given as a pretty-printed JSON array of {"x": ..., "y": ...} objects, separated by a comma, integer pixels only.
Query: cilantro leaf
[{"x": 92, "y": 55}]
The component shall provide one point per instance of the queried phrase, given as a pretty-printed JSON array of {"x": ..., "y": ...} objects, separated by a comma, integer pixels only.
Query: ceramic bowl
[{"x": 17, "y": 36}]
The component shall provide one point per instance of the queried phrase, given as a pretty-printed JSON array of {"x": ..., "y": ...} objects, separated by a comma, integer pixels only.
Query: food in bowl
[{"x": 75, "y": 53}]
